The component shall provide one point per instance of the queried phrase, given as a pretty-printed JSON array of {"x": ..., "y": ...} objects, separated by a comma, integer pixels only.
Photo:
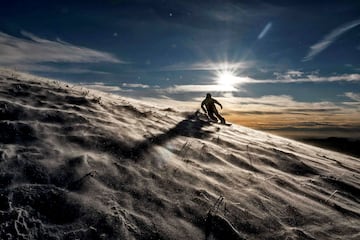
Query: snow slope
[{"x": 81, "y": 164}]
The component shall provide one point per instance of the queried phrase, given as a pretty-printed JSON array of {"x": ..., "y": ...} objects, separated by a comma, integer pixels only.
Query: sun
[{"x": 226, "y": 79}]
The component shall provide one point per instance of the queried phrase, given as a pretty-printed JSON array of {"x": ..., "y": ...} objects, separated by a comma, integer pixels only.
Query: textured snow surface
[{"x": 81, "y": 164}]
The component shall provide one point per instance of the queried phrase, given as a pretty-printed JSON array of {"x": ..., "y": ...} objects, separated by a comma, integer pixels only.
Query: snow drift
[{"x": 81, "y": 164}]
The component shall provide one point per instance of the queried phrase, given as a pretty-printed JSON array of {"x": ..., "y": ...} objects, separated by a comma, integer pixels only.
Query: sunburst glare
[{"x": 226, "y": 78}]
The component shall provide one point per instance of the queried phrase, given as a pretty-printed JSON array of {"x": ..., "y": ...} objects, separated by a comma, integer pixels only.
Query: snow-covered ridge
[{"x": 82, "y": 164}]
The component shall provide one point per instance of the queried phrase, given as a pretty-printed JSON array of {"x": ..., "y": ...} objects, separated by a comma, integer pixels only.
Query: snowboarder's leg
[
  {"x": 220, "y": 117},
  {"x": 211, "y": 116}
]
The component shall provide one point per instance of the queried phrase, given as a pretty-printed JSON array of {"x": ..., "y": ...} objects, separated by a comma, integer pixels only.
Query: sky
[{"x": 291, "y": 67}]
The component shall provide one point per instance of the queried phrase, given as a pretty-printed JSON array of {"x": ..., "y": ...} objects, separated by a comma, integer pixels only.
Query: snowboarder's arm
[
  {"x": 218, "y": 103},
  {"x": 202, "y": 106}
]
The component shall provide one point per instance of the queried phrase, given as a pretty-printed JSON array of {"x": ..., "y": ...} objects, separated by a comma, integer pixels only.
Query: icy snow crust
[{"x": 81, "y": 164}]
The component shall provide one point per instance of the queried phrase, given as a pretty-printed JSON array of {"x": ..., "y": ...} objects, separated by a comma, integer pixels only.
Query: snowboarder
[{"x": 209, "y": 103}]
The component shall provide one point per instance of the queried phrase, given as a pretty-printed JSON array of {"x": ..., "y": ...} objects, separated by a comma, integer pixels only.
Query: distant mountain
[
  {"x": 81, "y": 164},
  {"x": 346, "y": 145}
]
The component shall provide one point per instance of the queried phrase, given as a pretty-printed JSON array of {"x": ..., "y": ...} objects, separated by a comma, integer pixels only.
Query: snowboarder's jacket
[
  {"x": 211, "y": 110},
  {"x": 210, "y": 104}
]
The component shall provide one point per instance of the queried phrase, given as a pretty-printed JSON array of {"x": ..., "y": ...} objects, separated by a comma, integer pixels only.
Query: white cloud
[
  {"x": 50, "y": 69},
  {"x": 276, "y": 104},
  {"x": 291, "y": 76},
  {"x": 102, "y": 87},
  {"x": 353, "y": 96},
  {"x": 222, "y": 16},
  {"x": 208, "y": 66},
  {"x": 315, "y": 78},
  {"x": 199, "y": 88},
  {"x": 265, "y": 30},
  {"x": 135, "y": 85},
  {"x": 33, "y": 50},
  {"x": 301, "y": 77},
  {"x": 294, "y": 73},
  {"x": 329, "y": 39}
]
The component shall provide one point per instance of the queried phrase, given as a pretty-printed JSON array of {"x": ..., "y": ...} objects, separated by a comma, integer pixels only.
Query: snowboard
[
  {"x": 225, "y": 124},
  {"x": 204, "y": 117}
]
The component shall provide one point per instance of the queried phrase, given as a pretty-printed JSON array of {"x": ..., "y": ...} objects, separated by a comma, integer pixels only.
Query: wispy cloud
[
  {"x": 291, "y": 76},
  {"x": 315, "y": 78},
  {"x": 208, "y": 66},
  {"x": 306, "y": 118},
  {"x": 198, "y": 88},
  {"x": 32, "y": 51},
  {"x": 51, "y": 69},
  {"x": 329, "y": 39},
  {"x": 277, "y": 103},
  {"x": 102, "y": 87},
  {"x": 279, "y": 110},
  {"x": 135, "y": 85},
  {"x": 300, "y": 77},
  {"x": 353, "y": 96},
  {"x": 265, "y": 30}
]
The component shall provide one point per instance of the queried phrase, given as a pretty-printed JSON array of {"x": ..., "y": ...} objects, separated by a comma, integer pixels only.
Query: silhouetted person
[{"x": 209, "y": 103}]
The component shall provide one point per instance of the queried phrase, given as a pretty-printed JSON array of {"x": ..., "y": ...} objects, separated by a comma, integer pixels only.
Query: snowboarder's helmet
[{"x": 208, "y": 95}]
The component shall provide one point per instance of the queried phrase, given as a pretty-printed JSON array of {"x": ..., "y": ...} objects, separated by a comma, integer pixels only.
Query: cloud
[
  {"x": 102, "y": 87},
  {"x": 265, "y": 30},
  {"x": 135, "y": 85},
  {"x": 300, "y": 77},
  {"x": 290, "y": 74},
  {"x": 276, "y": 112},
  {"x": 209, "y": 66},
  {"x": 50, "y": 69},
  {"x": 318, "y": 109},
  {"x": 354, "y": 105},
  {"x": 277, "y": 103},
  {"x": 353, "y": 96},
  {"x": 315, "y": 78},
  {"x": 205, "y": 15},
  {"x": 329, "y": 39},
  {"x": 32, "y": 50},
  {"x": 199, "y": 88}
]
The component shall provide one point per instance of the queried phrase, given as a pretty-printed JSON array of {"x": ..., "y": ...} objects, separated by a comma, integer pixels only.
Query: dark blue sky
[{"x": 306, "y": 51}]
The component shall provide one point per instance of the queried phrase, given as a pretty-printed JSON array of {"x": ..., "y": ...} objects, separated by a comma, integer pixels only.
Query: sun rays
[
  {"x": 226, "y": 79},
  {"x": 227, "y": 76}
]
